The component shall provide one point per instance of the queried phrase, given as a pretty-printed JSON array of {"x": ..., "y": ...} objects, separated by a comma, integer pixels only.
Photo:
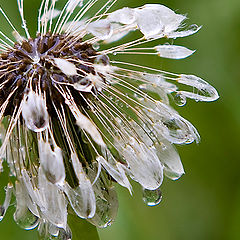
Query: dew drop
[
  {"x": 106, "y": 211},
  {"x": 102, "y": 59},
  {"x": 152, "y": 197},
  {"x": 25, "y": 219},
  {"x": 194, "y": 27},
  {"x": 180, "y": 100},
  {"x": 81, "y": 3},
  {"x": 108, "y": 6},
  {"x": 96, "y": 46},
  {"x": 23, "y": 24}
]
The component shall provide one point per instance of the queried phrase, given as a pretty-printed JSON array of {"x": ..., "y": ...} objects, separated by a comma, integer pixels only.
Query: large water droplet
[
  {"x": 107, "y": 206},
  {"x": 152, "y": 197},
  {"x": 102, "y": 59},
  {"x": 25, "y": 219}
]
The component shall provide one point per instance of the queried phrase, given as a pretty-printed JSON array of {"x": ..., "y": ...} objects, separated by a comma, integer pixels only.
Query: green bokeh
[{"x": 204, "y": 203}]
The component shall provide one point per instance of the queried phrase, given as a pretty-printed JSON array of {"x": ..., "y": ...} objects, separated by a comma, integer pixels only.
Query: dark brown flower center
[{"x": 32, "y": 62}]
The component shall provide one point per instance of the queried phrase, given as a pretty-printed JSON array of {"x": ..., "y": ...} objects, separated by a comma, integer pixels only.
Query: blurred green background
[{"x": 205, "y": 202}]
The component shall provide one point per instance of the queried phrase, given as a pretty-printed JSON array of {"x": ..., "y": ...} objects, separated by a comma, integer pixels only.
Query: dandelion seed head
[{"x": 74, "y": 120}]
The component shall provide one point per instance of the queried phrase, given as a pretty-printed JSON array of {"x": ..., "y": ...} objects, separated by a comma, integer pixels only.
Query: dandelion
[{"x": 75, "y": 119}]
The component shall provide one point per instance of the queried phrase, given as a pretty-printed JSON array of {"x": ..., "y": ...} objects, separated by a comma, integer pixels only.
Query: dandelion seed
[{"x": 74, "y": 120}]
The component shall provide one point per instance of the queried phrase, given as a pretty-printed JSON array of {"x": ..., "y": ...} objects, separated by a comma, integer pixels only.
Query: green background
[{"x": 205, "y": 202}]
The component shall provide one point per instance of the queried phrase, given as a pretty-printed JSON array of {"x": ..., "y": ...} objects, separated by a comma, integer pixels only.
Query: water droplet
[
  {"x": 180, "y": 99},
  {"x": 107, "y": 206},
  {"x": 81, "y": 3},
  {"x": 103, "y": 217},
  {"x": 194, "y": 27},
  {"x": 174, "y": 176},
  {"x": 108, "y": 6},
  {"x": 152, "y": 197},
  {"x": 96, "y": 46},
  {"x": 25, "y": 219},
  {"x": 102, "y": 59}
]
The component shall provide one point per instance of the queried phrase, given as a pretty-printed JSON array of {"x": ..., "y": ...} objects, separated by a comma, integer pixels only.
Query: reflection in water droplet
[
  {"x": 152, "y": 197},
  {"x": 104, "y": 219},
  {"x": 180, "y": 99},
  {"x": 106, "y": 211},
  {"x": 25, "y": 219}
]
